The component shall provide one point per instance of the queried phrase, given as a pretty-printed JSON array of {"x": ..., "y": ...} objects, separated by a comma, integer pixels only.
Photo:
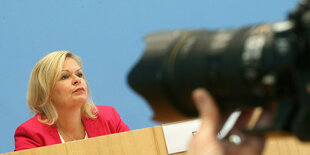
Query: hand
[{"x": 205, "y": 141}]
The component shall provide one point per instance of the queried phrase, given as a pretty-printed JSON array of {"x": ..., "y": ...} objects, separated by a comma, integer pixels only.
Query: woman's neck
[{"x": 69, "y": 125}]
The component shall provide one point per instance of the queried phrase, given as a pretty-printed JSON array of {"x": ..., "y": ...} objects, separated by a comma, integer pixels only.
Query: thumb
[{"x": 208, "y": 111}]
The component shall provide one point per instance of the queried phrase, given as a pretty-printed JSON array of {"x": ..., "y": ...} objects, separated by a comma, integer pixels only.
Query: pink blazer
[{"x": 33, "y": 134}]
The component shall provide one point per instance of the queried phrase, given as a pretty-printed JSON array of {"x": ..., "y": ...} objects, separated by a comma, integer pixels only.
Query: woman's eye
[
  {"x": 64, "y": 77},
  {"x": 80, "y": 75}
]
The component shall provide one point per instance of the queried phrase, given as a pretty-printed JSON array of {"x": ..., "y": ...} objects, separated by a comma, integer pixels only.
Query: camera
[{"x": 246, "y": 67}]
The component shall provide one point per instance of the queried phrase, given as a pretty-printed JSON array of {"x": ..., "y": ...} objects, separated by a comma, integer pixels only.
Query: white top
[{"x": 63, "y": 141}]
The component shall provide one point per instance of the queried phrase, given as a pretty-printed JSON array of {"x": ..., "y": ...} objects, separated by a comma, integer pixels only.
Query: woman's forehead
[{"x": 70, "y": 63}]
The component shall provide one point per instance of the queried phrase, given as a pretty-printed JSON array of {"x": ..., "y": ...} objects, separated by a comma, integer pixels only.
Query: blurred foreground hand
[{"x": 205, "y": 141}]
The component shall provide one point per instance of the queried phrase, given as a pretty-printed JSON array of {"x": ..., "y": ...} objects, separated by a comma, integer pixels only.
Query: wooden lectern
[{"x": 150, "y": 141}]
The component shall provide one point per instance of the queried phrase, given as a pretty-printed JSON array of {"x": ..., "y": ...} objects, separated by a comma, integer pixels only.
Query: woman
[{"x": 59, "y": 96}]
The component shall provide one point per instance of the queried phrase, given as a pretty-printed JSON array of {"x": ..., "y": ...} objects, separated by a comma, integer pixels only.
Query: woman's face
[{"x": 71, "y": 89}]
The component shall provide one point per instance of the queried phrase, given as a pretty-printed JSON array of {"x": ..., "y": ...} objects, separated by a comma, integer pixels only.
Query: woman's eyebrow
[{"x": 66, "y": 70}]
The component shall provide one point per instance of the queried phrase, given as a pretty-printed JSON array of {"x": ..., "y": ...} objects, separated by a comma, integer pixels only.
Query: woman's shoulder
[
  {"x": 109, "y": 117},
  {"x": 104, "y": 110},
  {"x": 32, "y": 123},
  {"x": 33, "y": 133}
]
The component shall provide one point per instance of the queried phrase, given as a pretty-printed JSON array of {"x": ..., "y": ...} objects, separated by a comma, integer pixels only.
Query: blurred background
[{"x": 108, "y": 36}]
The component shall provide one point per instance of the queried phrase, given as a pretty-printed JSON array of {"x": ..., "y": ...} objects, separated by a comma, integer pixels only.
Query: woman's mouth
[{"x": 79, "y": 90}]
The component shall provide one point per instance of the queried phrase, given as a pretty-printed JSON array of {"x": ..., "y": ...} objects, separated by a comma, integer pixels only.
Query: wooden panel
[
  {"x": 47, "y": 150},
  {"x": 134, "y": 142},
  {"x": 284, "y": 144},
  {"x": 151, "y": 141}
]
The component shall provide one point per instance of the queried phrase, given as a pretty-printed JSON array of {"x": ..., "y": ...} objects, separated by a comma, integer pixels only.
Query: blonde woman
[{"x": 59, "y": 96}]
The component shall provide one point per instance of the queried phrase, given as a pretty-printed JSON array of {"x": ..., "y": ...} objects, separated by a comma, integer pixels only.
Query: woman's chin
[{"x": 80, "y": 100}]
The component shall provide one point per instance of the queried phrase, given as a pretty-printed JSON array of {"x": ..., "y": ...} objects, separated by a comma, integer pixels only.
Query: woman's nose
[{"x": 76, "y": 80}]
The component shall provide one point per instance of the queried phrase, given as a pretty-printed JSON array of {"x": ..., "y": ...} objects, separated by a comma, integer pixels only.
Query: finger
[{"x": 208, "y": 111}]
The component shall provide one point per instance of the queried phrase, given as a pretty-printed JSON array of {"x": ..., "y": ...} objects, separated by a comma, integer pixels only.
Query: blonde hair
[{"x": 42, "y": 80}]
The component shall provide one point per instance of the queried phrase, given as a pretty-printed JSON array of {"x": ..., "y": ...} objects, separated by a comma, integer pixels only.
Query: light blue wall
[{"x": 108, "y": 36}]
